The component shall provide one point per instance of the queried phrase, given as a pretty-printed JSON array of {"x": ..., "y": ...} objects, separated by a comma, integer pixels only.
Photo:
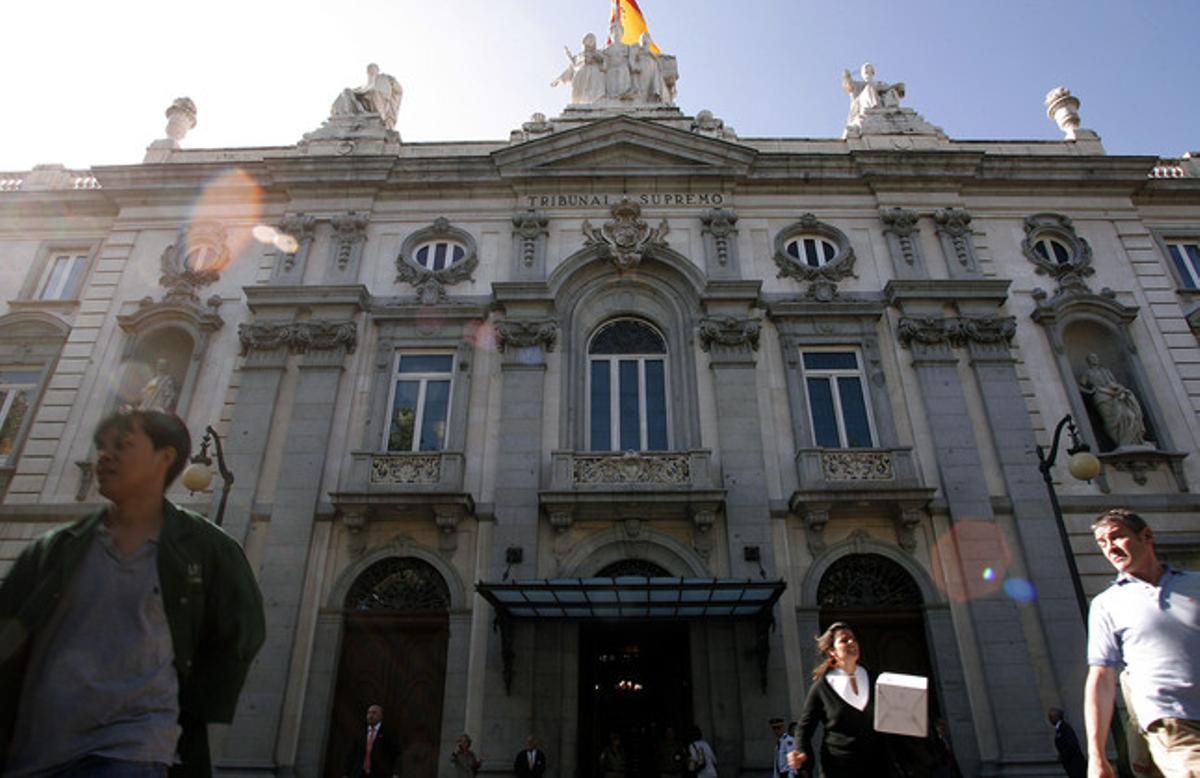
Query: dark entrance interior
[
  {"x": 883, "y": 604},
  {"x": 394, "y": 655},
  {"x": 634, "y": 680}
]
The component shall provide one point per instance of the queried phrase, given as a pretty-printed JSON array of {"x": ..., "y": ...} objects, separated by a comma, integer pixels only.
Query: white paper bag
[{"x": 901, "y": 706}]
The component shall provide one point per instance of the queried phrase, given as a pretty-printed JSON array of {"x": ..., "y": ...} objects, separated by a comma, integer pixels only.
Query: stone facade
[{"x": 286, "y": 286}]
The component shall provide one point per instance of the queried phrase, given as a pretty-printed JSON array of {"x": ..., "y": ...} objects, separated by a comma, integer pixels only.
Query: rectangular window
[
  {"x": 17, "y": 391},
  {"x": 420, "y": 402},
  {"x": 1186, "y": 258},
  {"x": 837, "y": 402},
  {"x": 64, "y": 277},
  {"x": 628, "y": 404}
]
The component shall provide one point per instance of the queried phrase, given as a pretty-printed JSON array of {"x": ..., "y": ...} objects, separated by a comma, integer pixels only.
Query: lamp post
[
  {"x": 1083, "y": 465},
  {"x": 199, "y": 473}
]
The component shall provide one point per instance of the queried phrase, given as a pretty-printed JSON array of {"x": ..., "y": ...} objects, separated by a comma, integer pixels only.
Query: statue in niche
[
  {"x": 869, "y": 93},
  {"x": 585, "y": 74},
  {"x": 1119, "y": 409},
  {"x": 160, "y": 392},
  {"x": 380, "y": 95}
]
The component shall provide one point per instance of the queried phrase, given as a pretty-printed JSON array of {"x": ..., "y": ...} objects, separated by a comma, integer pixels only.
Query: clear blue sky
[{"x": 87, "y": 83}]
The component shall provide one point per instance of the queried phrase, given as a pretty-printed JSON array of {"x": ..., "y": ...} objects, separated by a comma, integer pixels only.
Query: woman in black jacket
[{"x": 840, "y": 700}]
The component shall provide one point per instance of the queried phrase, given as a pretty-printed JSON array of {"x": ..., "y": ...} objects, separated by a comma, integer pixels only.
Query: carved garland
[
  {"x": 530, "y": 226},
  {"x": 631, "y": 468},
  {"x": 526, "y": 333},
  {"x": 728, "y": 331},
  {"x": 721, "y": 224},
  {"x": 956, "y": 330},
  {"x": 298, "y": 337},
  {"x": 302, "y": 229},
  {"x": 625, "y": 238},
  {"x": 955, "y": 223},
  {"x": 349, "y": 230},
  {"x": 902, "y": 223},
  {"x": 431, "y": 285}
]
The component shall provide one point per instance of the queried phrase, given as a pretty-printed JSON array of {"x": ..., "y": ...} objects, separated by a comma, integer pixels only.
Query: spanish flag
[{"x": 632, "y": 21}]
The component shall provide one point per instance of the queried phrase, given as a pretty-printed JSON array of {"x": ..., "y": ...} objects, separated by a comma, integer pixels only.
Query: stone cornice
[
  {"x": 265, "y": 298},
  {"x": 299, "y": 337},
  {"x": 949, "y": 290},
  {"x": 955, "y": 331}
]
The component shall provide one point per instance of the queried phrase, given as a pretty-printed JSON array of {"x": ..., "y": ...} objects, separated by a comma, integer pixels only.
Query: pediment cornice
[{"x": 624, "y": 146}]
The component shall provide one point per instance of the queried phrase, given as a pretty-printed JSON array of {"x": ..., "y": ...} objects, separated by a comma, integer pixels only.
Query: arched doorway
[
  {"x": 635, "y": 681},
  {"x": 393, "y": 654},
  {"x": 883, "y": 603}
]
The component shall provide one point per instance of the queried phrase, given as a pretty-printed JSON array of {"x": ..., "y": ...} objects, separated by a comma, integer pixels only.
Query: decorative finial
[{"x": 1063, "y": 108}]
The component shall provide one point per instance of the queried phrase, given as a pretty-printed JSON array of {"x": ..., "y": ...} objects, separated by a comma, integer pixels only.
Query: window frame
[
  {"x": 43, "y": 265},
  {"x": 833, "y": 374},
  {"x": 825, "y": 246},
  {"x": 424, "y": 379},
  {"x": 448, "y": 259},
  {"x": 74, "y": 259},
  {"x": 34, "y": 390},
  {"x": 614, "y": 361}
]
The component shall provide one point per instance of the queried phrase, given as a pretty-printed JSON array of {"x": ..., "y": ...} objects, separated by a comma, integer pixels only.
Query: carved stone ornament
[
  {"x": 194, "y": 260},
  {"x": 721, "y": 224},
  {"x": 301, "y": 228},
  {"x": 349, "y": 230},
  {"x": 955, "y": 225},
  {"x": 956, "y": 330},
  {"x": 406, "y": 469},
  {"x": 526, "y": 333},
  {"x": 529, "y": 226},
  {"x": 431, "y": 285},
  {"x": 839, "y": 266},
  {"x": 631, "y": 467},
  {"x": 1042, "y": 230},
  {"x": 902, "y": 223},
  {"x": 625, "y": 238},
  {"x": 298, "y": 337},
  {"x": 728, "y": 331},
  {"x": 857, "y": 466}
]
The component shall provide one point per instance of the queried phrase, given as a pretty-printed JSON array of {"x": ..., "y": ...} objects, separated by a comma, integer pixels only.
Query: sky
[{"x": 86, "y": 83}]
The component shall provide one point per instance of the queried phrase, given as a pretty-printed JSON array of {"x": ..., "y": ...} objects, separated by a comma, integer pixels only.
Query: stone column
[
  {"x": 731, "y": 342},
  {"x": 523, "y": 343},
  {"x": 324, "y": 345},
  {"x": 1008, "y": 735},
  {"x": 988, "y": 340}
]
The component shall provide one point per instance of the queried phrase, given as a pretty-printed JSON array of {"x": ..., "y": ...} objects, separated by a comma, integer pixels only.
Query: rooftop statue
[
  {"x": 620, "y": 74},
  {"x": 869, "y": 93},
  {"x": 380, "y": 95}
]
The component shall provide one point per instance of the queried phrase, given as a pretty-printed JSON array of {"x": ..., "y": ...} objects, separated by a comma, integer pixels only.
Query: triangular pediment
[{"x": 624, "y": 146}]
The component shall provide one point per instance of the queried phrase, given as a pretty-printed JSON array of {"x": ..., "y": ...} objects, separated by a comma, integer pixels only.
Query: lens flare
[
  {"x": 972, "y": 560},
  {"x": 481, "y": 335},
  {"x": 1020, "y": 590},
  {"x": 286, "y": 243},
  {"x": 227, "y": 200},
  {"x": 264, "y": 233}
]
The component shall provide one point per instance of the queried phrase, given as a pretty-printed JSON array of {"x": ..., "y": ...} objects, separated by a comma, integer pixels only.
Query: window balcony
[
  {"x": 387, "y": 485},
  {"x": 842, "y": 480},
  {"x": 588, "y": 485}
]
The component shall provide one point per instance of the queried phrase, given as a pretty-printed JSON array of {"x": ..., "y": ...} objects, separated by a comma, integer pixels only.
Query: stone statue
[
  {"x": 620, "y": 75},
  {"x": 647, "y": 71},
  {"x": 159, "y": 393},
  {"x": 618, "y": 79},
  {"x": 585, "y": 73},
  {"x": 381, "y": 95},
  {"x": 869, "y": 93},
  {"x": 1118, "y": 407}
]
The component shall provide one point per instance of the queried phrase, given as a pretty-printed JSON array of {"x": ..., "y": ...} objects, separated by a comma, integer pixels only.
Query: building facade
[{"x": 592, "y": 430}]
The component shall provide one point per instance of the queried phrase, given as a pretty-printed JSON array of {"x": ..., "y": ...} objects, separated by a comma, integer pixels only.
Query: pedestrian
[
  {"x": 672, "y": 755},
  {"x": 784, "y": 745},
  {"x": 530, "y": 761},
  {"x": 125, "y": 634},
  {"x": 1067, "y": 745},
  {"x": 612, "y": 758},
  {"x": 702, "y": 762},
  {"x": 463, "y": 759},
  {"x": 375, "y": 753},
  {"x": 840, "y": 702},
  {"x": 1148, "y": 621}
]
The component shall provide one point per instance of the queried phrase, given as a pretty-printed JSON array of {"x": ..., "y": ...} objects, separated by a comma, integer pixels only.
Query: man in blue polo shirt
[{"x": 1148, "y": 621}]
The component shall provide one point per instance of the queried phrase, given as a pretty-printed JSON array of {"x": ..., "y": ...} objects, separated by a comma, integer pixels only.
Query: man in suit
[
  {"x": 1067, "y": 744},
  {"x": 375, "y": 753},
  {"x": 530, "y": 761}
]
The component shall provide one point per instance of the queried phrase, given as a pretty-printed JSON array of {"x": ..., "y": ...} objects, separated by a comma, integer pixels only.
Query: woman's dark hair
[
  {"x": 165, "y": 430},
  {"x": 825, "y": 640}
]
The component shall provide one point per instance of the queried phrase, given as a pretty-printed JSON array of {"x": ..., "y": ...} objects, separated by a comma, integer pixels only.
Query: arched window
[
  {"x": 867, "y": 581},
  {"x": 627, "y": 388},
  {"x": 640, "y": 568}
]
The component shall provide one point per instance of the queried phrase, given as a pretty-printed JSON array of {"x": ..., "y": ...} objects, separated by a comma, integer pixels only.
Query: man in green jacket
[{"x": 124, "y": 634}]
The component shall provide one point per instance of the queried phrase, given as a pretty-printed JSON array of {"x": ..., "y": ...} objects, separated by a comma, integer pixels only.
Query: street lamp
[
  {"x": 199, "y": 473},
  {"x": 1084, "y": 466}
]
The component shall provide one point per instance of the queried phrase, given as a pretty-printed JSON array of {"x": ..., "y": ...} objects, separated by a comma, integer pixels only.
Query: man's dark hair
[
  {"x": 165, "y": 430},
  {"x": 1123, "y": 516}
]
